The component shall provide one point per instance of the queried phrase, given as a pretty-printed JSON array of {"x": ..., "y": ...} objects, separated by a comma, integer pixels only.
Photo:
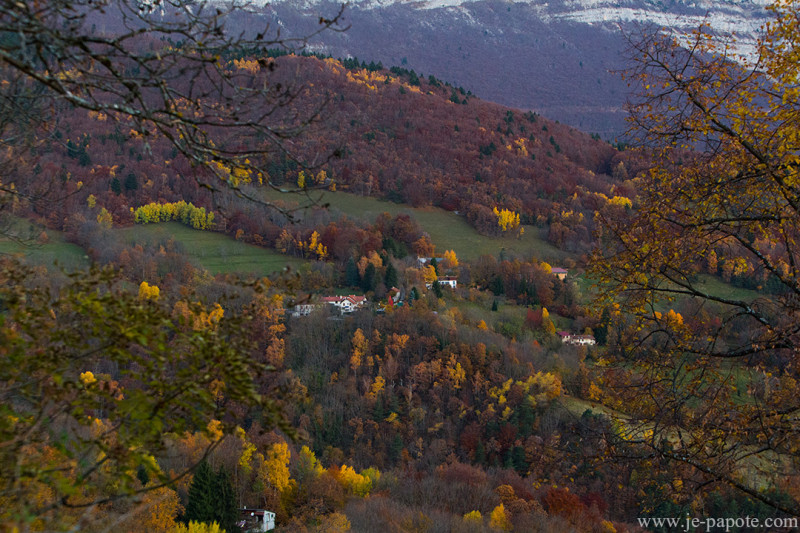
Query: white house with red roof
[{"x": 346, "y": 304}]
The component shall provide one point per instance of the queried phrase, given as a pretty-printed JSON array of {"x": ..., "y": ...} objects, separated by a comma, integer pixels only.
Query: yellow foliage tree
[
  {"x": 506, "y": 219},
  {"x": 360, "y": 346},
  {"x": 355, "y": 483},
  {"x": 197, "y": 527},
  {"x": 148, "y": 292},
  {"x": 429, "y": 274},
  {"x": 449, "y": 260},
  {"x": 315, "y": 249},
  {"x": 156, "y": 513},
  {"x": 105, "y": 219},
  {"x": 473, "y": 517},
  {"x": 499, "y": 519},
  {"x": 275, "y": 469},
  {"x": 188, "y": 214},
  {"x": 308, "y": 467}
]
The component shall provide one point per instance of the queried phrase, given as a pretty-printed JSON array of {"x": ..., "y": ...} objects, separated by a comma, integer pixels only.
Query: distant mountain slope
[{"x": 557, "y": 58}]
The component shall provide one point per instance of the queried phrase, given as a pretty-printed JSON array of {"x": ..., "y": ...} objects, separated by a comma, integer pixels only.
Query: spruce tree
[
  {"x": 368, "y": 281},
  {"x": 131, "y": 183},
  {"x": 390, "y": 278},
  {"x": 211, "y": 499},
  {"x": 437, "y": 288},
  {"x": 201, "y": 495},
  {"x": 225, "y": 509},
  {"x": 351, "y": 277}
]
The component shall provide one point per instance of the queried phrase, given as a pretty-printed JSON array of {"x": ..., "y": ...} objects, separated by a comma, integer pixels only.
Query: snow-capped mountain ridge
[{"x": 557, "y": 57}]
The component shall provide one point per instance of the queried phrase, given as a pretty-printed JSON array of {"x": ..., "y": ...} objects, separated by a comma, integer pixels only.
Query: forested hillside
[{"x": 382, "y": 133}]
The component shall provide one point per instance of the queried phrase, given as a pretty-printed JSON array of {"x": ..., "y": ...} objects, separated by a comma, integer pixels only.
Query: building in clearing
[{"x": 560, "y": 273}]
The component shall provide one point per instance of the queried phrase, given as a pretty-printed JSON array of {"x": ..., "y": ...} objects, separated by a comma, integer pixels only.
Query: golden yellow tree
[
  {"x": 148, "y": 292},
  {"x": 360, "y": 346},
  {"x": 275, "y": 470},
  {"x": 499, "y": 519},
  {"x": 449, "y": 260}
]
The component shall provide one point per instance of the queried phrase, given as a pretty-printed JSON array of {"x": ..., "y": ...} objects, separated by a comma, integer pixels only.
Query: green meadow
[
  {"x": 21, "y": 238},
  {"x": 215, "y": 252},
  {"x": 447, "y": 230}
]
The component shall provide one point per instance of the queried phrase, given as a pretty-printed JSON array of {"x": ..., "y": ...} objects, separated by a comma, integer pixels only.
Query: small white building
[
  {"x": 346, "y": 304},
  {"x": 445, "y": 281},
  {"x": 577, "y": 340},
  {"x": 256, "y": 520},
  {"x": 560, "y": 273}
]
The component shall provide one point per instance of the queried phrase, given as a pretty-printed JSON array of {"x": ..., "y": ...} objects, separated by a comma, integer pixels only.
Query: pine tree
[
  {"x": 413, "y": 295},
  {"x": 390, "y": 278},
  {"x": 211, "y": 498},
  {"x": 437, "y": 288},
  {"x": 351, "y": 277},
  {"x": 131, "y": 183},
  {"x": 225, "y": 509},
  {"x": 601, "y": 331},
  {"x": 201, "y": 495},
  {"x": 368, "y": 281}
]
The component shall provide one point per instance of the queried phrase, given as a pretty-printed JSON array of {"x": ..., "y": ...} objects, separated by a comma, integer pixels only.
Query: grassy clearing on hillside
[
  {"x": 217, "y": 253},
  {"x": 717, "y": 287},
  {"x": 448, "y": 231},
  {"x": 55, "y": 251}
]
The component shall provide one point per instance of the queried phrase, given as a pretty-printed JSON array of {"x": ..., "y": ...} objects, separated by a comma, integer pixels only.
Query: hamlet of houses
[
  {"x": 350, "y": 303},
  {"x": 344, "y": 304}
]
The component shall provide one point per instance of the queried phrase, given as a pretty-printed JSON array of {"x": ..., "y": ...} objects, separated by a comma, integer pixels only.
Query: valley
[{"x": 241, "y": 280}]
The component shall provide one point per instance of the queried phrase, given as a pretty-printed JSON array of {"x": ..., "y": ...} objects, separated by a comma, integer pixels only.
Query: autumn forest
[{"x": 239, "y": 276}]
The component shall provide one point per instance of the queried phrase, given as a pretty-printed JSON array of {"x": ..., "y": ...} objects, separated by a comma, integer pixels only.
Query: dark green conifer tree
[
  {"x": 437, "y": 288},
  {"x": 211, "y": 499},
  {"x": 368, "y": 281},
  {"x": 201, "y": 495},
  {"x": 351, "y": 277},
  {"x": 390, "y": 277}
]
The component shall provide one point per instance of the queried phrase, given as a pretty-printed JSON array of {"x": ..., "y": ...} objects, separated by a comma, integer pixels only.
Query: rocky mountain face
[{"x": 562, "y": 59}]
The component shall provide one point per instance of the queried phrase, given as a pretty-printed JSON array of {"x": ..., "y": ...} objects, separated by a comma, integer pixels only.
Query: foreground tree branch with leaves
[
  {"x": 161, "y": 68},
  {"x": 96, "y": 381},
  {"x": 715, "y": 385}
]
